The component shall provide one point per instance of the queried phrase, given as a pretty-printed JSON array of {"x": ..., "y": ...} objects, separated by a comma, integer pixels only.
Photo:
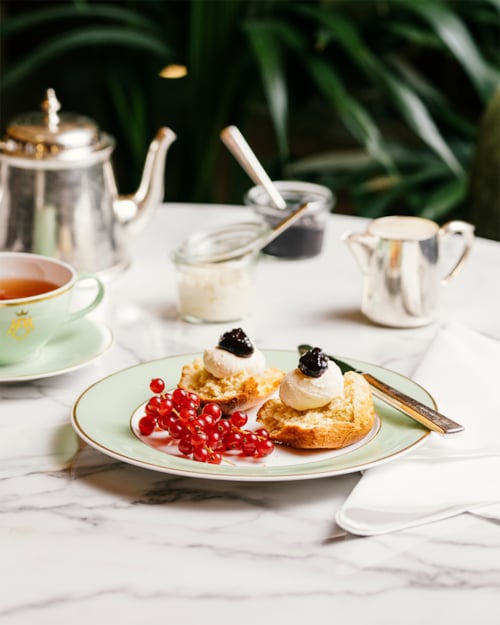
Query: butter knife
[{"x": 413, "y": 408}]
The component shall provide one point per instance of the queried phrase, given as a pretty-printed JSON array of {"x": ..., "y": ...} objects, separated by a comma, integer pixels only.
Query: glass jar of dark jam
[{"x": 304, "y": 238}]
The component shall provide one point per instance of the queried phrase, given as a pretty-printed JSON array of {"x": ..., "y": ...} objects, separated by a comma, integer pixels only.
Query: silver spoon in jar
[
  {"x": 254, "y": 245},
  {"x": 239, "y": 148}
]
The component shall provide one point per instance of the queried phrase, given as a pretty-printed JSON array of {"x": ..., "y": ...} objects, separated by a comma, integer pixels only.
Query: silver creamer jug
[
  {"x": 399, "y": 257},
  {"x": 58, "y": 194}
]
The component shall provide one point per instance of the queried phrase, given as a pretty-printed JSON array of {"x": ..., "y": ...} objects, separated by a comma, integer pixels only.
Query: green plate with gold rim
[{"x": 105, "y": 414}]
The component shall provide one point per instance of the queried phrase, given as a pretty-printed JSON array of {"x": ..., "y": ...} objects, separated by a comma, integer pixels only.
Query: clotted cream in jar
[{"x": 215, "y": 273}]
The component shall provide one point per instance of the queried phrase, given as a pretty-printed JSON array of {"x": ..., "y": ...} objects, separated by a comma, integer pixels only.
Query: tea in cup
[
  {"x": 35, "y": 298},
  {"x": 399, "y": 259}
]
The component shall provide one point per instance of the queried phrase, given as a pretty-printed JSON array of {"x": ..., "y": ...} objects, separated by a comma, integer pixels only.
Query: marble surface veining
[{"x": 85, "y": 538}]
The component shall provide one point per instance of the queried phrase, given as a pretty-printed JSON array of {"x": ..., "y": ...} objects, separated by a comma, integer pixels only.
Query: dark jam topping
[
  {"x": 236, "y": 342},
  {"x": 296, "y": 242},
  {"x": 313, "y": 363}
]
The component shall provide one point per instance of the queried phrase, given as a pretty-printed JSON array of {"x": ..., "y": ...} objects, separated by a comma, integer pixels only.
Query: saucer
[{"x": 77, "y": 345}]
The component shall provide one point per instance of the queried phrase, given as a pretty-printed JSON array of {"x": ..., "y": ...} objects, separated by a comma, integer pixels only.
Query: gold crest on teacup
[{"x": 21, "y": 326}]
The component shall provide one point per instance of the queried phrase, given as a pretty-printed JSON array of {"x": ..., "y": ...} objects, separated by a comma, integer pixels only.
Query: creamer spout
[{"x": 362, "y": 246}]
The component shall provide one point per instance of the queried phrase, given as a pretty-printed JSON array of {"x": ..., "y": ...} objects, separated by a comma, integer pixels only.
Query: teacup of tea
[{"x": 35, "y": 299}]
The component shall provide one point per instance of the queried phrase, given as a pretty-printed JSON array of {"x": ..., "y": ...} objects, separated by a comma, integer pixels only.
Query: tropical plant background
[{"x": 384, "y": 101}]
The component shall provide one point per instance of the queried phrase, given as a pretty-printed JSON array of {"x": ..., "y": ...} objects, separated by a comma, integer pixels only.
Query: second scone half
[{"x": 343, "y": 421}]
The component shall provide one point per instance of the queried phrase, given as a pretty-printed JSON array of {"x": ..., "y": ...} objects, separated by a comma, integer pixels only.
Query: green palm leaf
[
  {"x": 88, "y": 36},
  {"x": 211, "y": 25},
  {"x": 49, "y": 15},
  {"x": 353, "y": 115},
  {"x": 456, "y": 37},
  {"x": 410, "y": 106},
  {"x": 267, "y": 52},
  {"x": 418, "y": 118},
  {"x": 440, "y": 202},
  {"x": 130, "y": 104},
  {"x": 435, "y": 98}
]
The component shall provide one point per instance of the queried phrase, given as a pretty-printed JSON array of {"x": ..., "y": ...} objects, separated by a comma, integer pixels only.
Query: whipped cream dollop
[
  {"x": 303, "y": 392},
  {"x": 222, "y": 364}
]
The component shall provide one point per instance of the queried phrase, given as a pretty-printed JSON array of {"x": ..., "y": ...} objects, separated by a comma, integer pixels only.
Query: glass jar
[
  {"x": 215, "y": 274},
  {"x": 304, "y": 238}
]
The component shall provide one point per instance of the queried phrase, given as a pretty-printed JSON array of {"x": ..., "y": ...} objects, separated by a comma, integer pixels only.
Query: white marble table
[{"x": 88, "y": 539}]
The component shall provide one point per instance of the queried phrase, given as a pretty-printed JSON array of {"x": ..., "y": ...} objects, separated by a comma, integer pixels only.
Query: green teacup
[{"x": 35, "y": 297}]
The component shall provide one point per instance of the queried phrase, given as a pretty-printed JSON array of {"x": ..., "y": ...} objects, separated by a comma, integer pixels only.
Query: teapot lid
[{"x": 48, "y": 134}]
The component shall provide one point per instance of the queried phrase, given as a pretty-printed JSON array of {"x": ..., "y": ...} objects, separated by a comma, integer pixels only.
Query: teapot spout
[
  {"x": 362, "y": 246},
  {"x": 134, "y": 210}
]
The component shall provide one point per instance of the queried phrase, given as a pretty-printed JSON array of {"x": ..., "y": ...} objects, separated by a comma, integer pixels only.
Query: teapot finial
[{"x": 51, "y": 106}]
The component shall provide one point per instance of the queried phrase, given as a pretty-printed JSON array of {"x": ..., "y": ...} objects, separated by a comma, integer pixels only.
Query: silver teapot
[{"x": 58, "y": 194}]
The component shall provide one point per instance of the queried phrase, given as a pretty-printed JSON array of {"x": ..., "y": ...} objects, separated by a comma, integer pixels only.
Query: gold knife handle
[{"x": 413, "y": 408}]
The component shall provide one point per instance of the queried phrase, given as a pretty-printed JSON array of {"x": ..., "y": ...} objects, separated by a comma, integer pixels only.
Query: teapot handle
[{"x": 466, "y": 231}]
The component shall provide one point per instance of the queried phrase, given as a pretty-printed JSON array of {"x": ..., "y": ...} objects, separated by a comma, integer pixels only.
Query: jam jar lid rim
[{"x": 324, "y": 195}]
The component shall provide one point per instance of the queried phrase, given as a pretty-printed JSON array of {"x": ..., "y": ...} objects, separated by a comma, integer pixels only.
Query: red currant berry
[
  {"x": 214, "y": 439},
  {"x": 176, "y": 430},
  {"x": 200, "y": 454},
  {"x": 187, "y": 414},
  {"x": 195, "y": 399},
  {"x": 233, "y": 440},
  {"x": 146, "y": 425},
  {"x": 153, "y": 405},
  {"x": 186, "y": 403},
  {"x": 164, "y": 423},
  {"x": 223, "y": 427},
  {"x": 165, "y": 406},
  {"x": 198, "y": 424},
  {"x": 157, "y": 385},
  {"x": 214, "y": 458},
  {"x": 249, "y": 443},
  {"x": 171, "y": 419},
  {"x": 209, "y": 421},
  {"x": 199, "y": 438},
  {"x": 212, "y": 409},
  {"x": 238, "y": 419},
  {"x": 264, "y": 446},
  {"x": 178, "y": 397},
  {"x": 262, "y": 433},
  {"x": 185, "y": 447}
]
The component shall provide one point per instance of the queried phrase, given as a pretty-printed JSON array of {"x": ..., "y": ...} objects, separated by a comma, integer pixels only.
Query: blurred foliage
[
  {"x": 482, "y": 204},
  {"x": 379, "y": 99}
]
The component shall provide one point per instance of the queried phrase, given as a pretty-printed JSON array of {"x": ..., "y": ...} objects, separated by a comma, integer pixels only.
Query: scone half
[
  {"x": 236, "y": 392},
  {"x": 342, "y": 422}
]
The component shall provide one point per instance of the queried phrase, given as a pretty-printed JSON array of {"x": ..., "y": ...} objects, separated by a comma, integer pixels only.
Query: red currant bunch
[{"x": 200, "y": 432}]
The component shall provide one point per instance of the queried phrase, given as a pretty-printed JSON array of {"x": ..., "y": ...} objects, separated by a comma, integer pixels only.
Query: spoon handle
[
  {"x": 283, "y": 225},
  {"x": 238, "y": 146},
  {"x": 257, "y": 244}
]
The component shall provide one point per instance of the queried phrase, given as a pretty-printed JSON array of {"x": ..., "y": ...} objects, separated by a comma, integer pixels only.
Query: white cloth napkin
[{"x": 449, "y": 474}]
